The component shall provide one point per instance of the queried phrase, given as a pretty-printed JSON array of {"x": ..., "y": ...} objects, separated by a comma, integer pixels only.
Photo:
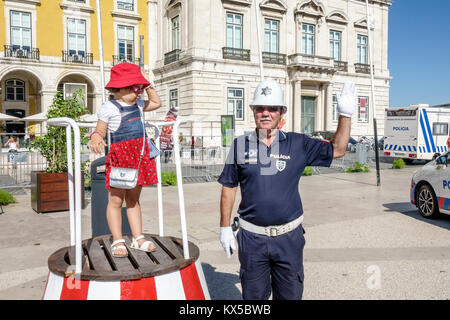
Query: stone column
[
  {"x": 152, "y": 41},
  {"x": 319, "y": 107},
  {"x": 47, "y": 97},
  {"x": 297, "y": 109},
  {"x": 328, "y": 107}
]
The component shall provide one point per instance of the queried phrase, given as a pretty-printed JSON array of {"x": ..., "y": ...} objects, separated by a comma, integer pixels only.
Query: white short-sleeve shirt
[{"x": 110, "y": 114}]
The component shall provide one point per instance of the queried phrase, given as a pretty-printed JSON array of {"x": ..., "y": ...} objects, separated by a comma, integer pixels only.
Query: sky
[{"x": 419, "y": 52}]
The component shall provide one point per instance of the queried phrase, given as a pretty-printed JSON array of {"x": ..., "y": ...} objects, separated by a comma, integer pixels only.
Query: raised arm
[
  {"x": 346, "y": 105},
  {"x": 153, "y": 102}
]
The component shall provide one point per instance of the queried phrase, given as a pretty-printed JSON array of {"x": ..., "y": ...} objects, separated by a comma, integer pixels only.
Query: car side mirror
[{"x": 441, "y": 160}]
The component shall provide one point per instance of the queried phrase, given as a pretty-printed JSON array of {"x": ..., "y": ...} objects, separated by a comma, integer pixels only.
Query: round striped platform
[{"x": 160, "y": 275}]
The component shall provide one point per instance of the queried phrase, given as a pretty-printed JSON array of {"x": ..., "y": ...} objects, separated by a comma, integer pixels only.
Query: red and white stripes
[{"x": 186, "y": 284}]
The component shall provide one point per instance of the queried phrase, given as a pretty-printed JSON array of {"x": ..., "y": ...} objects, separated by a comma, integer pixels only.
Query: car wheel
[{"x": 426, "y": 202}]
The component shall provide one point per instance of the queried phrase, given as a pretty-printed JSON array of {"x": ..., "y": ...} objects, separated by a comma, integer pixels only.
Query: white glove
[
  {"x": 227, "y": 240},
  {"x": 346, "y": 100}
]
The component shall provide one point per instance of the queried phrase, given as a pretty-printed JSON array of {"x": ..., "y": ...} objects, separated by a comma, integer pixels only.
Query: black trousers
[{"x": 271, "y": 265}]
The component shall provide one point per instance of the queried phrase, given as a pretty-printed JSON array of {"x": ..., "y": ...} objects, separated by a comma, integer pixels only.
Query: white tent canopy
[
  {"x": 36, "y": 117},
  {"x": 8, "y": 117}
]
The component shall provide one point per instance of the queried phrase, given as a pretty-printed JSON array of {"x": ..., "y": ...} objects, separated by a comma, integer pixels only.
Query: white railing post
[
  {"x": 76, "y": 211},
  {"x": 176, "y": 150}
]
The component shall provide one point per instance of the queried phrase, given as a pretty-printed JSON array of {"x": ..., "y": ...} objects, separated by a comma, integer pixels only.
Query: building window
[
  {"x": 234, "y": 30},
  {"x": 440, "y": 128},
  {"x": 363, "y": 109},
  {"x": 271, "y": 35},
  {"x": 362, "y": 49},
  {"x": 236, "y": 103},
  {"x": 15, "y": 90},
  {"x": 176, "y": 33},
  {"x": 335, "y": 110},
  {"x": 76, "y": 37},
  {"x": 125, "y": 38},
  {"x": 173, "y": 98},
  {"x": 125, "y": 4},
  {"x": 20, "y": 30},
  {"x": 308, "y": 39},
  {"x": 335, "y": 45}
]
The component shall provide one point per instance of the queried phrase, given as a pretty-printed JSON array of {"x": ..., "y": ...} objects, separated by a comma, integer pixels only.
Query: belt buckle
[{"x": 273, "y": 232}]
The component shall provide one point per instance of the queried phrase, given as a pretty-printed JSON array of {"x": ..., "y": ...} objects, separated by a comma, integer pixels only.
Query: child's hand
[{"x": 97, "y": 144}]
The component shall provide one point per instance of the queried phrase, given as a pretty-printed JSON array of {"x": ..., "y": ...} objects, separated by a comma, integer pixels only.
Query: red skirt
[{"x": 126, "y": 154}]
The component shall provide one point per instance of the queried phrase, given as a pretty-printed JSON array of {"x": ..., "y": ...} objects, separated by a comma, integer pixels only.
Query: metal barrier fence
[
  {"x": 198, "y": 164},
  {"x": 16, "y": 167}
]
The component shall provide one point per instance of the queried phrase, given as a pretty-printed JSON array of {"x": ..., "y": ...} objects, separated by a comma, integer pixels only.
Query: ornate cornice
[{"x": 245, "y": 3}]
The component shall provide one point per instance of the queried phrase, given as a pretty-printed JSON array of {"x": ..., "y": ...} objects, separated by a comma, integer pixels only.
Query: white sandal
[
  {"x": 144, "y": 246},
  {"x": 114, "y": 248}
]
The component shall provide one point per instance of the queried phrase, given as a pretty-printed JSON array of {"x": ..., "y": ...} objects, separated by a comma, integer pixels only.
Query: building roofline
[{"x": 385, "y": 2}]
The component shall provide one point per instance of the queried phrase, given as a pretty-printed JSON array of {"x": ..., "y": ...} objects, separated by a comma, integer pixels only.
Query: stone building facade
[
  {"x": 206, "y": 60},
  {"x": 50, "y": 46},
  {"x": 202, "y": 56}
]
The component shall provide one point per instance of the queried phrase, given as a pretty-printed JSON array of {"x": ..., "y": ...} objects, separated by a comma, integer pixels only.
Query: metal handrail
[
  {"x": 74, "y": 206},
  {"x": 176, "y": 147}
]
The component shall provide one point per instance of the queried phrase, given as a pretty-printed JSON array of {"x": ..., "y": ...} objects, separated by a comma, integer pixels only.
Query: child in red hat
[{"x": 122, "y": 117}]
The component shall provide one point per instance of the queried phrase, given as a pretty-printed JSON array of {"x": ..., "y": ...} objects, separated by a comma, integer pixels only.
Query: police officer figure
[{"x": 267, "y": 165}]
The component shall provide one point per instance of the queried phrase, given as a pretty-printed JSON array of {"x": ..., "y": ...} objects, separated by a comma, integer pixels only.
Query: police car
[{"x": 430, "y": 187}]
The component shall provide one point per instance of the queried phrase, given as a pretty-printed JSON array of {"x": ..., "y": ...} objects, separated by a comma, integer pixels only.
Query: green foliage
[
  {"x": 6, "y": 198},
  {"x": 358, "y": 167},
  {"x": 398, "y": 164},
  {"x": 53, "y": 144},
  {"x": 308, "y": 171},
  {"x": 168, "y": 178}
]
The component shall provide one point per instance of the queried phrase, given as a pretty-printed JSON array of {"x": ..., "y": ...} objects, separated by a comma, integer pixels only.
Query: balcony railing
[
  {"x": 362, "y": 68},
  {"x": 236, "y": 54},
  {"x": 271, "y": 57},
  {"x": 121, "y": 59},
  {"x": 86, "y": 58},
  {"x": 172, "y": 56},
  {"x": 341, "y": 65},
  {"x": 22, "y": 52},
  {"x": 314, "y": 63}
]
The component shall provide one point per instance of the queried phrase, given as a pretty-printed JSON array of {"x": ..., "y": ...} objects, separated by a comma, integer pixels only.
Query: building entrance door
[{"x": 308, "y": 115}]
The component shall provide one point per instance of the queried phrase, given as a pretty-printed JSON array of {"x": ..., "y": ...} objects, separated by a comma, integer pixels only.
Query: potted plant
[{"x": 49, "y": 191}]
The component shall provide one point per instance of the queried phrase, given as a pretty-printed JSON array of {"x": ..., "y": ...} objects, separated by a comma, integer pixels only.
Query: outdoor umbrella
[
  {"x": 38, "y": 117},
  {"x": 7, "y": 117}
]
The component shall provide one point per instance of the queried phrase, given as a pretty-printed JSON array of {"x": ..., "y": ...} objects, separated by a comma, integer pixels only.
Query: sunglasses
[
  {"x": 268, "y": 108},
  {"x": 137, "y": 89}
]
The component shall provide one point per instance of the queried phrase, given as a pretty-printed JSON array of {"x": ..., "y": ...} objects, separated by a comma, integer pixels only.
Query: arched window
[{"x": 15, "y": 90}]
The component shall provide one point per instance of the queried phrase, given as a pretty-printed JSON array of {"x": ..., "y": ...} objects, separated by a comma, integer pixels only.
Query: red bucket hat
[{"x": 125, "y": 75}]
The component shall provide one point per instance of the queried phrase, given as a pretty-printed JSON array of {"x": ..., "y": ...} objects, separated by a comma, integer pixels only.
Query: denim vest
[{"x": 131, "y": 126}]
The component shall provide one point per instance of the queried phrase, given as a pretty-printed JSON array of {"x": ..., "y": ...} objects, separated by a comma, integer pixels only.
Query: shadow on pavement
[
  {"x": 409, "y": 210},
  {"x": 221, "y": 286}
]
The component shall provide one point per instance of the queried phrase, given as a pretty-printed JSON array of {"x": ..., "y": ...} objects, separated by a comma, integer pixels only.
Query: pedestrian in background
[{"x": 12, "y": 144}]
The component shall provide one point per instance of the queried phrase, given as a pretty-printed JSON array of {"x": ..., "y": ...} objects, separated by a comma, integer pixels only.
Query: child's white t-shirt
[{"x": 110, "y": 114}]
